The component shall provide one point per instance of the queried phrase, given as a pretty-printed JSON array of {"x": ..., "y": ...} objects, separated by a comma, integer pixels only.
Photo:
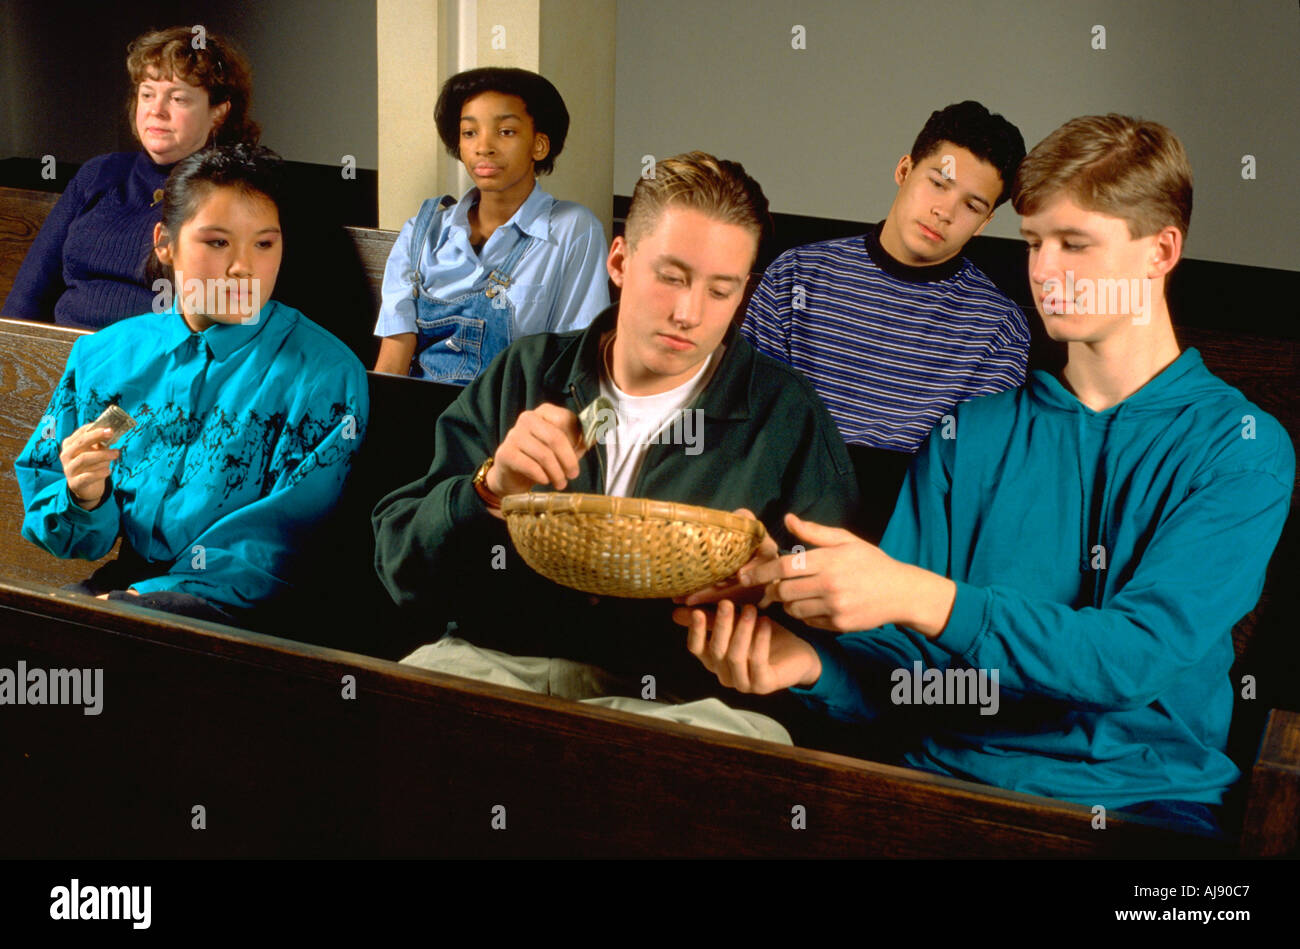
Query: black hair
[
  {"x": 543, "y": 101},
  {"x": 987, "y": 136},
  {"x": 253, "y": 169}
]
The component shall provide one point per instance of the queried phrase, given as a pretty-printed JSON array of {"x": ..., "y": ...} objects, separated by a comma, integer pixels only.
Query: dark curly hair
[
  {"x": 987, "y": 136},
  {"x": 543, "y": 101},
  {"x": 217, "y": 66},
  {"x": 253, "y": 169}
]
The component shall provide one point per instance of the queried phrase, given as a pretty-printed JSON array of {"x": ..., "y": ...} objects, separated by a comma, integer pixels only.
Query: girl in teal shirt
[{"x": 247, "y": 414}]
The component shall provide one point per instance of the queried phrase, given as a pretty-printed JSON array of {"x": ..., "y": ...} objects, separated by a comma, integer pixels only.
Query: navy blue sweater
[{"x": 86, "y": 267}]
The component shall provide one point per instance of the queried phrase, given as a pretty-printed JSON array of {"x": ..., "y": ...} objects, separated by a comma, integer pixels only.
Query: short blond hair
[
  {"x": 713, "y": 186},
  {"x": 1127, "y": 168}
]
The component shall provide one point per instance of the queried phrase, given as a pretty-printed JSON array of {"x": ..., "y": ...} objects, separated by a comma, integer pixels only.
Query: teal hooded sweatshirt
[{"x": 1101, "y": 561}]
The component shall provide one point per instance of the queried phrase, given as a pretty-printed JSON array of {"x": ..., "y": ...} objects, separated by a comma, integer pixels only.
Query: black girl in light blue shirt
[{"x": 507, "y": 260}]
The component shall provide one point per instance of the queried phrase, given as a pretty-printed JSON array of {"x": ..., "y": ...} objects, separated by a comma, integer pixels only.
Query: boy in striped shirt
[{"x": 895, "y": 327}]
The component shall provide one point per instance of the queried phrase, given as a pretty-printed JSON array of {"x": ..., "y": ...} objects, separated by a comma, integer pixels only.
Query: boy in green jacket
[
  {"x": 1060, "y": 578},
  {"x": 750, "y": 433}
]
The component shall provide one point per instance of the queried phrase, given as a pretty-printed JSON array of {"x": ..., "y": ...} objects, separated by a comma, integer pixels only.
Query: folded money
[
  {"x": 116, "y": 418},
  {"x": 596, "y": 419}
]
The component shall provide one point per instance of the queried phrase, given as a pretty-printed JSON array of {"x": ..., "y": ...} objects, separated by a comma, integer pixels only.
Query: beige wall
[
  {"x": 822, "y": 127},
  {"x": 577, "y": 54},
  {"x": 407, "y": 33}
]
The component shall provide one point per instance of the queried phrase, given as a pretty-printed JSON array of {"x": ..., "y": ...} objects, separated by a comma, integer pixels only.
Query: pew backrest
[
  {"x": 32, "y": 358},
  {"x": 373, "y": 247},
  {"x": 22, "y": 213}
]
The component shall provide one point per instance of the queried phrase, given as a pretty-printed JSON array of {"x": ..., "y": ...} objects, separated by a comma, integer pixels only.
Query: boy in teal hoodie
[{"x": 1050, "y": 609}]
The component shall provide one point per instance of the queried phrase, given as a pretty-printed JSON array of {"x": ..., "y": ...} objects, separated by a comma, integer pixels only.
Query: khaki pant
[{"x": 589, "y": 684}]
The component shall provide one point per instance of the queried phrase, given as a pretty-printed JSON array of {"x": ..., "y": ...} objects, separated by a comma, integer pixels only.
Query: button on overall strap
[{"x": 499, "y": 279}]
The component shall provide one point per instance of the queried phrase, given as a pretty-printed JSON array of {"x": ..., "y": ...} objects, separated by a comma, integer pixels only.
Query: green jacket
[{"x": 768, "y": 444}]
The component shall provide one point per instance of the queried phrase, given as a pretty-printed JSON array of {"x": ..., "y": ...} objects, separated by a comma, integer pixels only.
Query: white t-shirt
[{"x": 644, "y": 420}]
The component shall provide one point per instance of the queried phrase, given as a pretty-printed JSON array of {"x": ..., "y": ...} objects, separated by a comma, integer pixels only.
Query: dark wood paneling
[{"x": 1271, "y": 827}]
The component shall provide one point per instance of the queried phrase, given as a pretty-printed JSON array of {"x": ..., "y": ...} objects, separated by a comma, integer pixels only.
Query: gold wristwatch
[{"x": 481, "y": 488}]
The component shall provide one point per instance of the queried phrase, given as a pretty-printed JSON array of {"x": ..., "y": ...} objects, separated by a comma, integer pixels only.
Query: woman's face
[
  {"x": 173, "y": 118},
  {"x": 225, "y": 258}
]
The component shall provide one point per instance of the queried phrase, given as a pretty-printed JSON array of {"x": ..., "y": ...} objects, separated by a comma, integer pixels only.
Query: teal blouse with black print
[{"x": 245, "y": 434}]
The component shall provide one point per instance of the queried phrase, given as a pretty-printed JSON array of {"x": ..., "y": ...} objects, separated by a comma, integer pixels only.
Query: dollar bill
[
  {"x": 116, "y": 418},
  {"x": 594, "y": 419}
]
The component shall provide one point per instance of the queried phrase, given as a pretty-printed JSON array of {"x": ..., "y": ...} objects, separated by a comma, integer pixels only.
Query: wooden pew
[
  {"x": 21, "y": 214},
  {"x": 32, "y": 358},
  {"x": 258, "y": 688},
  {"x": 257, "y": 732},
  {"x": 373, "y": 247}
]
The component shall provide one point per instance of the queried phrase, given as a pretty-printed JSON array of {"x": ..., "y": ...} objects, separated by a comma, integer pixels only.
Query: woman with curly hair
[{"x": 86, "y": 268}]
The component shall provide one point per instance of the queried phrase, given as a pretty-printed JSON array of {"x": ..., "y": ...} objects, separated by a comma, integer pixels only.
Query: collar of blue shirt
[
  {"x": 533, "y": 217},
  {"x": 221, "y": 338}
]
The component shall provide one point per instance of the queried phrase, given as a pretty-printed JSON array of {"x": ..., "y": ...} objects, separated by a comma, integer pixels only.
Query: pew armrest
[{"x": 1273, "y": 799}]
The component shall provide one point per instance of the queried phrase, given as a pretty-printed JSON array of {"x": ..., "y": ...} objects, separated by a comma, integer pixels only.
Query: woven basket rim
[{"x": 554, "y": 502}]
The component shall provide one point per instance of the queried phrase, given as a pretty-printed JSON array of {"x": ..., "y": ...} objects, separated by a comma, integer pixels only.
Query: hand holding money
[
  {"x": 596, "y": 420},
  {"x": 543, "y": 447},
  {"x": 87, "y": 459}
]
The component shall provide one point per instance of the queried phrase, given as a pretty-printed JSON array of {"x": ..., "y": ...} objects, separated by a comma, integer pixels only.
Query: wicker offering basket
[{"x": 631, "y": 547}]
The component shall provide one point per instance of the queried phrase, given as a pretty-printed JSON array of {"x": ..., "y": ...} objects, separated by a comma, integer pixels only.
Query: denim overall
[{"x": 456, "y": 338}]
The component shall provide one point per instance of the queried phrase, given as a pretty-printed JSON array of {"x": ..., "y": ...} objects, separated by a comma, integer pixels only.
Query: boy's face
[
  {"x": 943, "y": 201},
  {"x": 681, "y": 286},
  {"x": 499, "y": 144},
  {"x": 1091, "y": 279}
]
